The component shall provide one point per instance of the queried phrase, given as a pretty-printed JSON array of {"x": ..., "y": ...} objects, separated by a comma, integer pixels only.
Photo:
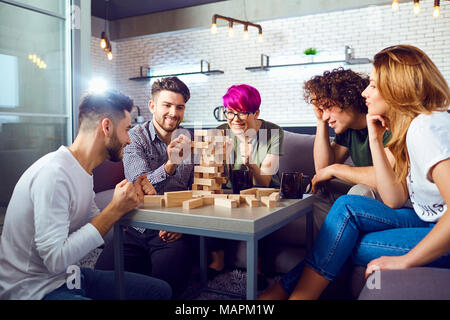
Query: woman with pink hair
[{"x": 256, "y": 146}]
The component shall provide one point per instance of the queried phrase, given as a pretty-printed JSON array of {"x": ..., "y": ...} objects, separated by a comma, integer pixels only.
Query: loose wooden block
[
  {"x": 218, "y": 195},
  {"x": 264, "y": 192},
  {"x": 176, "y": 198},
  {"x": 268, "y": 202},
  {"x": 249, "y": 191},
  {"x": 207, "y": 200},
  {"x": 236, "y": 197},
  {"x": 153, "y": 198},
  {"x": 227, "y": 203},
  {"x": 250, "y": 200},
  {"x": 193, "y": 203},
  {"x": 275, "y": 196}
]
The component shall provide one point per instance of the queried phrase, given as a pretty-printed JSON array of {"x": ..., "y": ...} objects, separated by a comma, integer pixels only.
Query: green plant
[{"x": 310, "y": 51}]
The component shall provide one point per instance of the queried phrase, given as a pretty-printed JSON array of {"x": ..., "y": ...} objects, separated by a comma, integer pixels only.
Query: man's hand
[
  {"x": 177, "y": 150},
  {"x": 318, "y": 112},
  {"x": 321, "y": 175},
  {"x": 125, "y": 197},
  {"x": 143, "y": 186},
  {"x": 167, "y": 236}
]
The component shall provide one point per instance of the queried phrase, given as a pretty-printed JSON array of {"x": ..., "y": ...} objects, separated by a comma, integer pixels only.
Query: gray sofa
[{"x": 286, "y": 247}]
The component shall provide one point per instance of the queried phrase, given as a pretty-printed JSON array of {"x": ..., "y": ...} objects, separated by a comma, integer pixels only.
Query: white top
[
  {"x": 428, "y": 143},
  {"x": 47, "y": 226}
]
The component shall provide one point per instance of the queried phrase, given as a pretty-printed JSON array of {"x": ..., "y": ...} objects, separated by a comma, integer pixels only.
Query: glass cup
[
  {"x": 294, "y": 185},
  {"x": 240, "y": 180}
]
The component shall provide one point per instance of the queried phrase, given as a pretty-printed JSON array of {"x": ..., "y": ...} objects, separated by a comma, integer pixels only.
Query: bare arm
[
  {"x": 359, "y": 175},
  {"x": 393, "y": 193},
  {"x": 437, "y": 241},
  {"x": 262, "y": 176}
]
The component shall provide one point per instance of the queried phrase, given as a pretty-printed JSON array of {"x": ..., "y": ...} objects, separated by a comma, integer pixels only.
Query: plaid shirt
[{"x": 147, "y": 153}]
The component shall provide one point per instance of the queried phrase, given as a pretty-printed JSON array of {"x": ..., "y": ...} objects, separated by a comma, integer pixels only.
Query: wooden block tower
[{"x": 209, "y": 174}]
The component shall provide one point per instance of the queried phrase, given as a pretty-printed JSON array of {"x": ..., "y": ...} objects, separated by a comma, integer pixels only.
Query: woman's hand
[
  {"x": 386, "y": 263},
  {"x": 376, "y": 126}
]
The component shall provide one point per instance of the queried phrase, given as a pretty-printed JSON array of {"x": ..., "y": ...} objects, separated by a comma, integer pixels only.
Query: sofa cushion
[{"x": 297, "y": 153}]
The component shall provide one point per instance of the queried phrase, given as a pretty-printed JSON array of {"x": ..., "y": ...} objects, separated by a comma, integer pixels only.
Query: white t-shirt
[
  {"x": 428, "y": 142},
  {"x": 47, "y": 226}
]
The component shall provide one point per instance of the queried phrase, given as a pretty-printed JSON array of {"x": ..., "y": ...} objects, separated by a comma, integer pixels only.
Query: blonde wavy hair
[{"x": 411, "y": 84}]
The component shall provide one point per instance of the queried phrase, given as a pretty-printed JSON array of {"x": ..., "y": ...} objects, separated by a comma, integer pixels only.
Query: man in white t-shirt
[{"x": 52, "y": 221}]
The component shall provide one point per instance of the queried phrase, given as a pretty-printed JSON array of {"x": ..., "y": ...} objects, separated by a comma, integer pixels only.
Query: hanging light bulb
[
  {"x": 213, "y": 28},
  {"x": 436, "y": 11},
  {"x": 260, "y": 37},
  {"x": 245, "y": 36},
  {"x": 103, "y": 40},
  {"x": 416, "y": 7},
  {"x": 230, "y": 29},
  {"x": 395, "y": 5},
  {"x": 109, "y": 55}
]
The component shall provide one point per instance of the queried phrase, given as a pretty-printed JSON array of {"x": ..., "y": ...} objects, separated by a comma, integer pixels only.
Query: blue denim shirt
[{"x": 147, "y": 153}]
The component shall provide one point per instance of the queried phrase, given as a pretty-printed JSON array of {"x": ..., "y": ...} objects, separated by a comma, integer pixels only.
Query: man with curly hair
[{"x": 338, "y": 103}]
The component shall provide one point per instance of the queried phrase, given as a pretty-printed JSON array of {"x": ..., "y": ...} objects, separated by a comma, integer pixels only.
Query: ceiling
[{"x": 118, "y": 9}]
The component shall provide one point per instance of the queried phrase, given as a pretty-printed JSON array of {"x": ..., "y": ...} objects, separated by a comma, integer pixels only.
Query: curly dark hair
[{"x": 337, "y": 87}]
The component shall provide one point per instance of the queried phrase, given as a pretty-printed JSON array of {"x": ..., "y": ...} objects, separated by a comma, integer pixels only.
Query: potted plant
[{"x": 310, "y": 52}]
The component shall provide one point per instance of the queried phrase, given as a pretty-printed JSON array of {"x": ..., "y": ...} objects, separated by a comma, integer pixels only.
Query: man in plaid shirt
[{"x": 160, "y": 149}]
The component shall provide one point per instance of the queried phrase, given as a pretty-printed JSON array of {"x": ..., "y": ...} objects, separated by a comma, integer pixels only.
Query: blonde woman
[{"x": 408, "y": 95}]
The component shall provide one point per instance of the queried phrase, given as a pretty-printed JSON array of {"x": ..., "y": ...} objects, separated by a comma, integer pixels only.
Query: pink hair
[{"x": 243, "y": 98}]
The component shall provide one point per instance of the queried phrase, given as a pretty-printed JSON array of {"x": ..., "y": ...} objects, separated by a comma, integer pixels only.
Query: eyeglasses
[{"x": 241, "y": 115}]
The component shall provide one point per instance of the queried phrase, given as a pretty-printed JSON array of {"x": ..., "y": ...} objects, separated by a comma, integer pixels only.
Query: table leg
[
  {"x": 118, "y": 261},
  {"x": 203, "y": 262},
  {"x": 252, "y": 265}
]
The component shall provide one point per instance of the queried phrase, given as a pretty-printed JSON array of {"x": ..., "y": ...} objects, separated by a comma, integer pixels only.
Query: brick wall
[{"x": 367, "y": 30}]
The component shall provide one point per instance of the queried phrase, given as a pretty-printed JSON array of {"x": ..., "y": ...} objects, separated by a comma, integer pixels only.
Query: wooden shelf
[
  {"x": 178, "y": 74},
  {"x": 207, "y": 73},
  {"x": 265, "y": 66}
]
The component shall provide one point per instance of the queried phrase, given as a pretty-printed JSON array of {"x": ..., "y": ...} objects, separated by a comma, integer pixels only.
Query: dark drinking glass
[
  {"x": 240, "y": 180},
  {"x": 290, "y": 188},
  {"x": 294, "y": 185}
]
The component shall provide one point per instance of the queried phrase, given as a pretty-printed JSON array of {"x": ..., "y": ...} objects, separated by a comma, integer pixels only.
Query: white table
[{"x": 242, "y": 223}]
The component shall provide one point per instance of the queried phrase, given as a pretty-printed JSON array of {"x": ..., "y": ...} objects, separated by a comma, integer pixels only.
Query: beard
[
  {"x": 168, "y": 128},
  {"x": 115, "y": 149}
]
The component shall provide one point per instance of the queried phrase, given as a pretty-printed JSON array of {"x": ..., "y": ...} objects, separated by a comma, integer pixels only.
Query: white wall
[{"x": 367, "y": 30}]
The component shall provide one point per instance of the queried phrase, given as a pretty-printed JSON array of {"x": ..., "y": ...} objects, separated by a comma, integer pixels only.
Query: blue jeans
[
  {"x": 363, "y": 229},
  {"x": 100, "y": 285}
]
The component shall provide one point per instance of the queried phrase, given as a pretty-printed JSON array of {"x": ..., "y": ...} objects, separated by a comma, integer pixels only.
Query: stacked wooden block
[{"x": 209, "y": 174}]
